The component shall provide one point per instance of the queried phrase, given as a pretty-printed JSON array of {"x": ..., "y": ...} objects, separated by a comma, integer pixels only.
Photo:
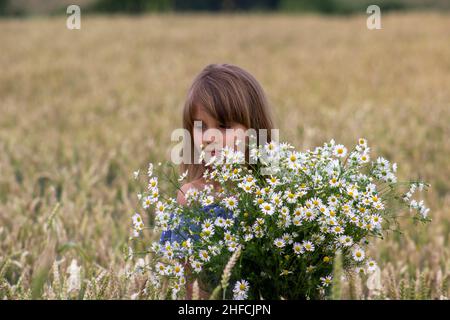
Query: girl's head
[{"x": 222, "y": 97}]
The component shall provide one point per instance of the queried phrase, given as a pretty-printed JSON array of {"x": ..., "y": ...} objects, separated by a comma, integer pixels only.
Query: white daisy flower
[
  {"x": 196, "y": 265},
  {"x": 323, "y": 209},
  {"x": 240, "y": 290},
  {"x": 232, "y": 246},
  {"x": 332, "y": 201},
  {"x": 247, "y": 187},
  {"x": 248, "y": 237},
  {"x": 334, "y": 182},
  {"x": 271, "y": 148},
  {"x": 284, "y": 211},
  {"x": 207, "y": 223},
  {"x": 137, "y": 219},
  {"x": 228, "y": 223},
  {"x": 308, "y": 246},
  {"x": 383, "y": 163},
  {"x": 273, "y": 181},
  {"x": 267, "y": 208},
  {"x": 326, "y": 281},
  {"x": 315, "y": 202},
  {"x": 187, "y": 245},
  {"x": 287, "y": 238},
  {"x": 220, "y": 222},
  {"x": 230, "y": 203},
  {"x": 160, "y": 208},
  {"x": 352, "y": 191},
  {"x": 153, "y": 183},
  {"x": 297, "y": 221},
  {"x": 204, "y": 255},
  {"x": 371, "y": 266},
  {"x": 208, "y": 200},
  {"x": 378, "y": 205},
  {"x": 277, "y": 199},
  {"x": 178, "y": 270},
  {"x": 364, "y": 158},
  {"x": 298, "y": 211},
  {"x": 345, "y": 240},
  {"x": 147, "y": 202},
  {"x": 169, "y": 254},
  {"x": 340, "y": 151},
  {"x": 161, "y": 268},
  {"x": 207, "y": 232},
  {"x": 298, "y": 248},
  {"x": 290, "y": 197},
  {"x": 279, "y": 242},
  {"x": 376, "y": 219},
  {"x": 358, "y": 254},
  {"x": 337, "y": 229},
  {"x": 309, "y": 215}
]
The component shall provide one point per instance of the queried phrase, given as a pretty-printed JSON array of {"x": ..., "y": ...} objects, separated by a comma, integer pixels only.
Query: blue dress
[{"x": 181, "y": 235}]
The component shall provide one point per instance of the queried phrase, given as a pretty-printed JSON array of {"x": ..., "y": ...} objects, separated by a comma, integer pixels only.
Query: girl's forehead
[{"x": 199, "y": 112}]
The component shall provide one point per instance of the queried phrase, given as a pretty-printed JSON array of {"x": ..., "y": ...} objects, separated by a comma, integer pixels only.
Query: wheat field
[{"x": 80, "y": 110}]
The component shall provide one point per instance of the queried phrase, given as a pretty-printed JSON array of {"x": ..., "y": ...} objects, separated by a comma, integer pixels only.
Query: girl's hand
[{"x": 202, "y": 294}]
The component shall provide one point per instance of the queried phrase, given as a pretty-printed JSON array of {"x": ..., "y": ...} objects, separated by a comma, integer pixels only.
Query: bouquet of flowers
[{"x": 281, "y": 221}]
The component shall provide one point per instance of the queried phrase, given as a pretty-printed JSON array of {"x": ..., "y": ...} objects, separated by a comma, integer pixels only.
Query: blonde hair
[{"x": 229, "y": 94}]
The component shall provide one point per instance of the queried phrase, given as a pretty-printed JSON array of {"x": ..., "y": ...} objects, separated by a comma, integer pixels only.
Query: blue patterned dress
[{"x": 180, "y": 235}]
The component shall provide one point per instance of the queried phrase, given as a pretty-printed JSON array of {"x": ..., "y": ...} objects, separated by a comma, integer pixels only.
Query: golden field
[{"x": 80, "y": 110}]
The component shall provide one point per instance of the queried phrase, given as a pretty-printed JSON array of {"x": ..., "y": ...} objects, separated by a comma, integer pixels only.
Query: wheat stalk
[{"x": 226, "y": 275}]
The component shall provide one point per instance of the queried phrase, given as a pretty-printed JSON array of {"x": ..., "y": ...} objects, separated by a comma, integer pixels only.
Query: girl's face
[{"x": 214, "y": 135}]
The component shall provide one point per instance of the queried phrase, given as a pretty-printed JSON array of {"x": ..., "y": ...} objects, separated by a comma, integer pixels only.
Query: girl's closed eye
[{"x": 199, "y": 125}]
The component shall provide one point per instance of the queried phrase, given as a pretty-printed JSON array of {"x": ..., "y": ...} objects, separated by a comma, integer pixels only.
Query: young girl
[{"x": 222, "y": 96}]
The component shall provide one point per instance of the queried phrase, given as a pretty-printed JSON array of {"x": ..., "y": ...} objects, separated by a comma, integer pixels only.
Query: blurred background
[
  {"x": 33, "y": 7},
  {"x": 80, "y": 110}
]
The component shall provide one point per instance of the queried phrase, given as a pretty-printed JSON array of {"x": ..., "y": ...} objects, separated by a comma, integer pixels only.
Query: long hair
[{"x": 228, "y": 94}]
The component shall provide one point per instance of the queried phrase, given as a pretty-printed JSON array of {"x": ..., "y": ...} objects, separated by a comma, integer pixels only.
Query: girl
[{"x": 222, "y": 96}]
